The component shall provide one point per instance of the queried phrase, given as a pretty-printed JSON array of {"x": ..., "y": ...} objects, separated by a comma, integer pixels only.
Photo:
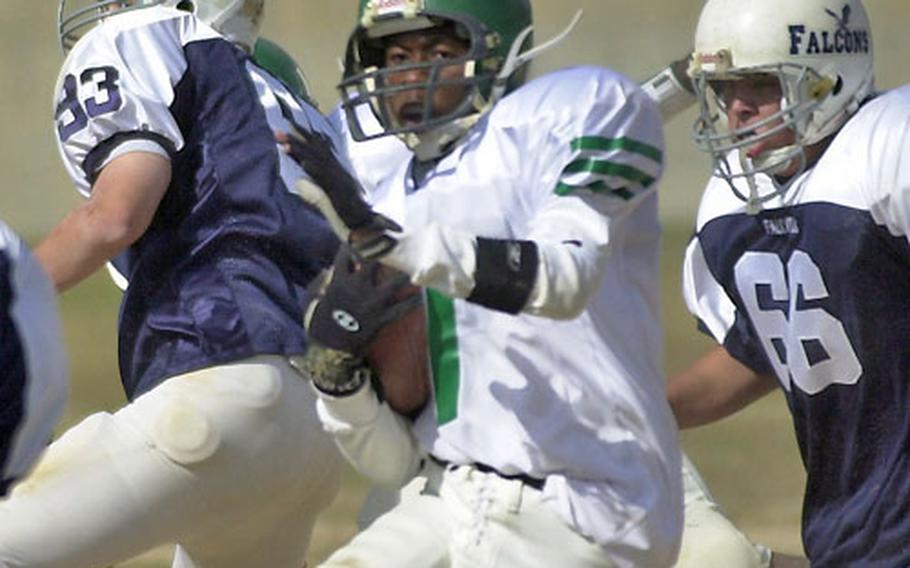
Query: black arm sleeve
[{"x": 505, "y": 274}]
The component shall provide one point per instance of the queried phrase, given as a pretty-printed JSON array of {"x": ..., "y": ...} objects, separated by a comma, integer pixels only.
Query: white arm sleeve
[
  {"x": 437, "y": 256},
  {"x": 597, "y": 168},
  {"x": 444, "y": 259},
  {"x": 377, "y": 442},
  {"x": 886, "y": 150},
  {"x": 573, "y": 244}
]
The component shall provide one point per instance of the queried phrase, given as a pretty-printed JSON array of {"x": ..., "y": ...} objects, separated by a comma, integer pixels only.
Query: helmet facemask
[
  {"x": 820, "y": 56},
  {"x": 237, "y": 20},
  {"x": 427, "y": 131},
  {"x": 494, "y": 64},
  {"x": 803, "y": 91},
  {"x": 74, "y": 18}
]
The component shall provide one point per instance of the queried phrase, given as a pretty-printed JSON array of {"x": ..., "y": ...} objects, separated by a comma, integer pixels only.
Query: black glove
[
  {"x": 352, "y": 304},
  {"x": 337, "y": 195},
  {"x": 348, "y": 306}
]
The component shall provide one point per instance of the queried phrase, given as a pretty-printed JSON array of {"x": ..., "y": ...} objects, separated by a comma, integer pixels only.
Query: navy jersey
[
  {"x": 33, "y": 372},
  {"x": 219, "y": 274},
  {"x": 815, "y": 290}
]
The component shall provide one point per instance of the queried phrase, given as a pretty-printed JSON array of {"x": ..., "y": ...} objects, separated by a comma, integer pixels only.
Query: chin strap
[
  {"x": 516, "y": 58},
  {"x": 755, "y": 199},
  {"x": 430, "y": 145}
]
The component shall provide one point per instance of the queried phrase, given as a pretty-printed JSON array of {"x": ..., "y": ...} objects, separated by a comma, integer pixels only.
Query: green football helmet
[
  {"x": 237, "y": 20},
  {"x": 497, "y": 32},
  {"x": 274, "y": 59}
]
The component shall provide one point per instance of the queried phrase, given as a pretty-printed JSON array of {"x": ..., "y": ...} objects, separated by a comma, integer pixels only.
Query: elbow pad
[
  {"x": 671, "y": 89},
  {"x": 504, "y": 274}
]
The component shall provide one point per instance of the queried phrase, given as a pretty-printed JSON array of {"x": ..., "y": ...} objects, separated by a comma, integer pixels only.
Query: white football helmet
[
  {"x": 237, "y": 20},
  {"x": 819, "y": 50}
]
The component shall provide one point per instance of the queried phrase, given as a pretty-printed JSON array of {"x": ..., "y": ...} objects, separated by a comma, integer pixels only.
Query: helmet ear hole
[
  {"x": 838, "y": 86},
  {"x": 186, "y": 6}
]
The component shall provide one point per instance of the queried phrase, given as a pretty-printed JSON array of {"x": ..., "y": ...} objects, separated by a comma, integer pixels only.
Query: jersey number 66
[{"x": 807, "y": 345}]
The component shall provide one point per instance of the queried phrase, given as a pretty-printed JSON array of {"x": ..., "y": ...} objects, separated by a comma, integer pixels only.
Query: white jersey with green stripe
[{"x": 569, "y": 161}]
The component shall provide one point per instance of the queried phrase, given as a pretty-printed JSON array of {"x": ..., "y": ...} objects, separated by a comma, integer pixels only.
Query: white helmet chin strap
[
  {"x": 775, "y": 162},
  {"x": 433, "y": 143},
  {"x": 771, "y": 163},
  {"x": 516, "y": 58}
]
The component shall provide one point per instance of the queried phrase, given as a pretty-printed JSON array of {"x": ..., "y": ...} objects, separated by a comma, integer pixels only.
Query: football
[{"x": 399, "y": 356}]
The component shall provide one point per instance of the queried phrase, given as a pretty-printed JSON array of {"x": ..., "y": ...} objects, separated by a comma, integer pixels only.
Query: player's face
[
  {"x": 750, "y": 100},
  {"x": 114, "y": 6},
  {"x": 434, "y": 46}
]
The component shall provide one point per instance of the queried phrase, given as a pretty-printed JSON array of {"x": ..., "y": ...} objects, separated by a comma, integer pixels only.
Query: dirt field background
[{"x": 750, "y": 460}]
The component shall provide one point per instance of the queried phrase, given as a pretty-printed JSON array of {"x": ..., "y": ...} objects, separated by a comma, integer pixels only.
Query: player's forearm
[
  {"x": 573, "y": 237},
  {"x": 714, "y": 387},
  {"x": 122, "y": 205},
  {"x": 377, "y": 442},
  {"x": 78, "y": 246},
  {"x": 540, "y": 277}
]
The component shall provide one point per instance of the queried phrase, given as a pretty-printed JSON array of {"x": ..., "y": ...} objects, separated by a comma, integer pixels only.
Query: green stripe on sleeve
[
  {"x": 597, "y": 186},
  {"x": 608, "y": 144},
  {"x": 442, "y": 336},
  {"x": 607, "y": 168}
]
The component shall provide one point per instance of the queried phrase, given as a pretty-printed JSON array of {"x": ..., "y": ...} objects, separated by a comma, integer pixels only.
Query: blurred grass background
[{"x": 750, "y": 460}]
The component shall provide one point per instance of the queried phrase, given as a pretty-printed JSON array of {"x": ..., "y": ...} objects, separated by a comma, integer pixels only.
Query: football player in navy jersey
[
  {"x": 165, "y": 124},
  {"x": 800, "y": 264},
  {"x": 33, "y": 369}
]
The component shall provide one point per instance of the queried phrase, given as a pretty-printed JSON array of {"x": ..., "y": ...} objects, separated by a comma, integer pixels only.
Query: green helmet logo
[
  {"x": 490, "y": 28},
  {"x": 370, "y": 11}
]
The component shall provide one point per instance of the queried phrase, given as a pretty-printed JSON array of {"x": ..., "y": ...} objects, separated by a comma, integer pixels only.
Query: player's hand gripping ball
[
  {"x": 350, "y": 304},
  {"x": 365, "y": 311}
]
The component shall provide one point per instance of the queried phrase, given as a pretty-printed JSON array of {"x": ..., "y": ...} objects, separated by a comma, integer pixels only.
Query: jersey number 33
[{"x": 100, "y": 91}]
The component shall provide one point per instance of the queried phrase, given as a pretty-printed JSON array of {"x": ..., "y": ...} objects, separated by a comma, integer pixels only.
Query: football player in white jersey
[
  {"x": 165, "y": 125},
  {"x": 33, "y": 368},
  {"x": 530, "y": 217},
  {"x": 709, "y": 538},
  {"x": 800, "y": 265}
]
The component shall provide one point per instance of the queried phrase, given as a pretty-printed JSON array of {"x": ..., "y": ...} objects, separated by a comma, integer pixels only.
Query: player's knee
[
  {"x": 190, "y": 416},
  {"x": 184, "y": 433}
]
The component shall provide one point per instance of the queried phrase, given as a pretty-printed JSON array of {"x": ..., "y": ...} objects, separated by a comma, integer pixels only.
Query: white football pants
[
  {"x": 229, "y": 462},
  {"x": 464, "y": 518},
  {"x": 710, "y": 540}
]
